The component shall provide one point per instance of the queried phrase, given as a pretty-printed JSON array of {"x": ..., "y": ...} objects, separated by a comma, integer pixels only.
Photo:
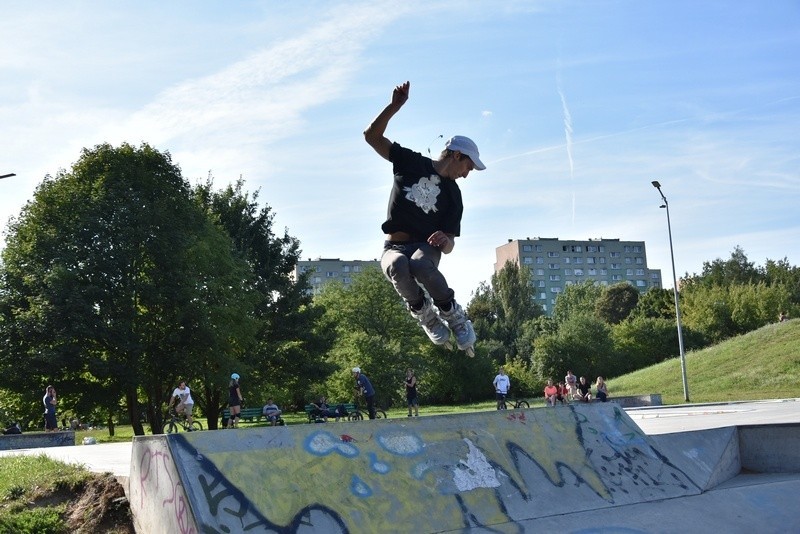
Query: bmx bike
[{"x": 179, "y": 421}]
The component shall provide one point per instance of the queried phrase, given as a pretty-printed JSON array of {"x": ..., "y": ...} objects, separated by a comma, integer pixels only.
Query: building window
[
  {"x": 331, "y": 274},
  {"x": 543, "y": 296},
  {"x": 552, "y": 266},
  {"x": 601, "y": 248},
  {"x": 615, "y": 266},
  {"x": 541, "y": 283},
  {"x": 346, "y": 280},
  {"x": 628, "y": 260},
  {"x": 590, "y": 259},
  {"x": 555, "y": 278},
  {"x": 568, "y": 272},
  {"x": 317, "y": 280},
  {"x": 614, "y": 254},
  {"x": 628, "y": 272},
  {"x": 602, "y": 260},
  {"x": 639, "y": 260},
  {"x": 640, "y": 283},
  {"x": 538, "y": 248},
  {"x": 627, "y": 248},
  {"x": 578, "y": 260},
  {"x": 616, "y": 277},
  {"x": 592, "y": 272},
  {"x": 654, "y": 276},
  {"x": 603, "y": 272},
  {"x": 555, "y": 290},
  {"x": 357, "y": 269},
  {"x": 527, "y": 260},
  {"x": 637, "y": 248},
  {"x": 552, "y": 254},
  {"x": 639, "y": 272},
  {"x": 578, "y": 272},
  {"x": 540, "y": 272},
  {"x": 567, "y": 260},
  {"x": 526, "y": 248},
  {"x": 345, "y": 268},
  {"x": 539, "y": 260},
  {"x": 591, "y": 248}
]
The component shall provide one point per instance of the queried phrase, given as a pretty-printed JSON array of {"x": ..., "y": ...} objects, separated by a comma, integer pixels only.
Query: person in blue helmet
[{"x": 234, "y": 401}]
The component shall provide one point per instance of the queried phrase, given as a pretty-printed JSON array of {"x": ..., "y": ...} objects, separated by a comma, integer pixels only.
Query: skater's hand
[
  {"x": 400, "y": 94},
  {"x": 442, "y": 241}
]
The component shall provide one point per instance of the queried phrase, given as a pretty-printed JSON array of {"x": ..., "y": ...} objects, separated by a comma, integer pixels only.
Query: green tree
[
  {"x": 284, "y": 360},
  {"x": 656, "y": 303},
  {"x": 582, "y": 344},
  {"x": 616, "y": 302},
  {"x": 99, "y": 289},
  {"x": 577, "y": 299},
  {"x": 500, "y": 311}
]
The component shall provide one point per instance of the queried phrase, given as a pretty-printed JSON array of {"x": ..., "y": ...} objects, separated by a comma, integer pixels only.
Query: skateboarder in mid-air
[{"x": 423, "y": 220}]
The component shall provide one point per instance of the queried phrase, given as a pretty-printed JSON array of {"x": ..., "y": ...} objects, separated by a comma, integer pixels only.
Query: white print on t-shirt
[{"x": 424, "y": 193}]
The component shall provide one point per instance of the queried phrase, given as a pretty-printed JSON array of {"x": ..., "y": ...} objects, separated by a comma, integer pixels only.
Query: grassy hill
[{"x": 763, "y": 364}]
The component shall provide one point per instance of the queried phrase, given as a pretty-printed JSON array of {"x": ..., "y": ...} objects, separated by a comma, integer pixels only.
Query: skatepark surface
[{"x": 581, "y": 468}]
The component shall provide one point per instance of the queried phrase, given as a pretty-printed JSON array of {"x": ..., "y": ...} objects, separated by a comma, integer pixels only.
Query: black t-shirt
[
  {"x": 584, "y": 388},
  {"x": 421, "y": 201}
]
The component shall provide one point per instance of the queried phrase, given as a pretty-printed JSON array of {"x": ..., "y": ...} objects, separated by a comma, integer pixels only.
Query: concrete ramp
[{"x": 489, "y": 471}]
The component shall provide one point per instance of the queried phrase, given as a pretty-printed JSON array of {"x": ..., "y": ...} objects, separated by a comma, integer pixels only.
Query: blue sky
[{"x": 575, "y": 106}]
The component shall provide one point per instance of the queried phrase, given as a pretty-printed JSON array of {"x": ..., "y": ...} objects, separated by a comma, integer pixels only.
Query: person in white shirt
[
  {"x": 185, "y": 404},
  {"x": 502, "y": 384}
]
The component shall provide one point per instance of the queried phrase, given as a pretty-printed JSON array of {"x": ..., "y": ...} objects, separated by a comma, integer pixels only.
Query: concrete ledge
[
  {"x": 770, "y": 448},
  {"x": 635, "y": 401},
  {"x": 35, "y": 440}
]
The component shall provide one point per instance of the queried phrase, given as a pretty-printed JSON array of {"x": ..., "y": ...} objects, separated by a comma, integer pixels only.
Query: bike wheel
[
  {"x": 522, "y": 404},
  {"x": 356, "y": 416},
  {"x": 197, "y": 425},
  {"x": 170, "y": 428},
  {"x": 380, "y": 414}
]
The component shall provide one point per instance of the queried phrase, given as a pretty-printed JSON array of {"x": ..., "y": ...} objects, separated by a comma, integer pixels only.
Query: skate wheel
[
  {"x": 448, "y": 345},
  {"x": 470, "y": 351}
]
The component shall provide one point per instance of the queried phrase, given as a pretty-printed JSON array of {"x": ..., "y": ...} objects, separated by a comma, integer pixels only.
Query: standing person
[
  {"x": 182, "y": 397},
  {"x": 502, "y": 385},
  {"x": 364, "y": 387},
  {"x": 550, "y": 392},
  {"x": 584, "y": 390},
  {"x": 571, "y": 382},
  {"x": 423, "y": 220},
  {"x": 783, "y": 317},
  {"x": 234, "y": 401},
  {"x": 602, "y": 389},
  {"x": 411, "y": 392},
  {"x": 49, "y": 400}
]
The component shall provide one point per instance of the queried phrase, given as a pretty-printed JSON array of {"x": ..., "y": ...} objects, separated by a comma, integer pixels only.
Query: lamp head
[
  {"x": 7, "y": 175},
  {"x": 656, "y": 184}
]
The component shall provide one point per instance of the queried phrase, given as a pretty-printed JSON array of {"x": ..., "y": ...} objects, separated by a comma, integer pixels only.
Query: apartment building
[
  {"x": 555, "y": 263},
  {"x": 326, "y": 270}
]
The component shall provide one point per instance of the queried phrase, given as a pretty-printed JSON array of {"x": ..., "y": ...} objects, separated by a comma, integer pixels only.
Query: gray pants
[{"x": 409, "y": 265}]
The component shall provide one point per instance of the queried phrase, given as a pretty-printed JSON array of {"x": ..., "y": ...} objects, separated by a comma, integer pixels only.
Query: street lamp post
[{"x": 675, "y": 291}]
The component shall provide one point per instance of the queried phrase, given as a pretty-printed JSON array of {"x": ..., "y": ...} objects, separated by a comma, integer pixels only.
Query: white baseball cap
[
  {"x": 466, "y": 146},
  {"x": 357, "y": 370}
]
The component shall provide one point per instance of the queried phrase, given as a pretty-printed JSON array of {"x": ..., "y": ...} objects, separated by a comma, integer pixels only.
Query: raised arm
[{"x": 374, "y": 134}]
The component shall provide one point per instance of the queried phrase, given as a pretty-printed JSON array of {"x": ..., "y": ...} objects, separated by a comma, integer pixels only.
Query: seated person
[
  {"x": 550, "y": 392},
  {"x": 561, "y": 394},
  {"x": 323, "y": 411},
  {"x": 271, "y": 412},
  {"x": 584, "y": 391},
  {"x": 602, "y": 389}
]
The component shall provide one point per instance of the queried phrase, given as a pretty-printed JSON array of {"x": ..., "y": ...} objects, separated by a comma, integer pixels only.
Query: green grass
[
  {"x": 28, "y": 486},
  {"x": 763, "y": 364}
]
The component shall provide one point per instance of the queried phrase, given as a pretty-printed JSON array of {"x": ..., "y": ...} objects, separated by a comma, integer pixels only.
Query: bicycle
[
  {"x": 358, "y": 415},
  {"x": 175, "y": 421},
  {"x": 518, "y": 404}
]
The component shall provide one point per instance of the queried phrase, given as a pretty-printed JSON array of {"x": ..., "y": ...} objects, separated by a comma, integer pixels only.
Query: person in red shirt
[{"x": 550, "y": 392}]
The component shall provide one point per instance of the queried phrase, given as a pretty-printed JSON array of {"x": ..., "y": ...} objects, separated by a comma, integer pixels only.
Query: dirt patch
[{"x": 100, "y": 506}]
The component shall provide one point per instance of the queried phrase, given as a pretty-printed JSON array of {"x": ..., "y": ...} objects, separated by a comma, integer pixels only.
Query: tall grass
[{"x": 763, "y": 364}]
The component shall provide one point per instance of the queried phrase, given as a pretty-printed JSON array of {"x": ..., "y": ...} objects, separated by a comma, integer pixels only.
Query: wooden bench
[
  {"x": 249, "y": 415},
  {"x": 310, "y": 409}
]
